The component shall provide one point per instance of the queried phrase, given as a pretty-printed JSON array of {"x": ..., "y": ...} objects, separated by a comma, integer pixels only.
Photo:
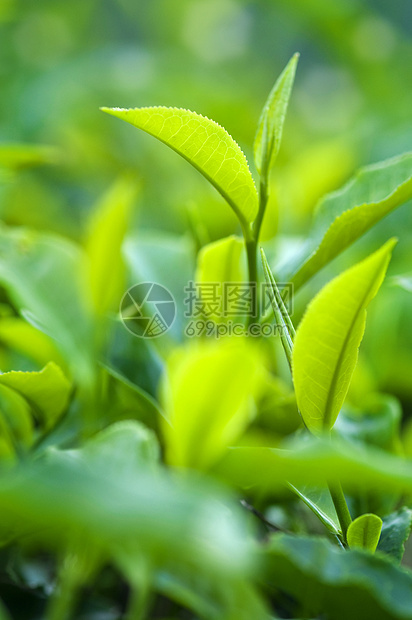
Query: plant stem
[
  {"x": 341, "y": 507},
  {"x": 251, "y": 253},
  {"x": 263, "y": 200},
  {"x": 251, "y": 235},
  {"x": 140, "y": 599}
]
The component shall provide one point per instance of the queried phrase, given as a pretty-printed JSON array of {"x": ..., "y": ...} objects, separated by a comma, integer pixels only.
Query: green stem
[
  {"x": 64, "y": 599},
  {"x": 263, "y": 201},
  {"x": 251, "y": 253},
  {"x": 139, "y": 604},
  {"x": 251, "y": 235},
  {"x": 341, "y": 507}
]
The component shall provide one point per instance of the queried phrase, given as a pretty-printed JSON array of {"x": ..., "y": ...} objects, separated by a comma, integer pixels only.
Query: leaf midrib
[{"x": 333, "y": 384}]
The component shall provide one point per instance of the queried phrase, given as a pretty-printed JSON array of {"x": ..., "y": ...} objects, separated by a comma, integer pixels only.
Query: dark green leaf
[
  {"x": 395, "y": 532},
  {"x": 327, "y": 581}
]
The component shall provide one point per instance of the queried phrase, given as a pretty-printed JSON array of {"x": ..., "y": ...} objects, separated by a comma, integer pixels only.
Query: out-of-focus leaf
[
  {"x": 320, "y": 502},
  {"x": 309, "y": 461},
  {"x": 205, "y": 145},
  {"x": 234, "y": 600},
  {"x": 270, "y": 127},
  {"x": 207, "y": 398},
  {"x": 129, "y": 401},
  {"x": 377, "y": 422},
  {"x": 219, "y": 263},
  {"x": 124, "y": 447},
  {"x": 107, "y": 229},
  {"x": 403, "y": 281},
  {"x": 42, "y": 276},
  {"x": 167, "y": 260},
  {"x": 20, "y": 336},
  {"x": 4, "y": 614},
  {"x": 345, "y": 215},
  {"x": 325, "y": 580},
  {"x": 16, "y": 427},
  {"x": 276, "y": 406},
  {"x": 396, "y": 529},
  {"x": 326, "y": 345},
  {"x": 47, "y": 391},
  {"x": 17, "y": 156},
  {"x": 107, "y": 494},
  {"x": 364, "y": 532}
]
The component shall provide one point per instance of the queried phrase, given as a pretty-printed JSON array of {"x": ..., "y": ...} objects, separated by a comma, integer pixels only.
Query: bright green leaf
[
  {"x": 326, "y": 345},
  {"x": 207, "y": 398},
  {"x": 270, "y": 127},
  {"x": 345, "y": 215},
  {"x": 47, "y": 391},
  {"x": 107, "y": 229},
  {"x": 205, "y": 145},
  {"x": 364, "y": 532}
]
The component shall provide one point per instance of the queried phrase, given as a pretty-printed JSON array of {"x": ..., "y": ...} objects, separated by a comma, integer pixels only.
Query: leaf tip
[{"x": 113, "y": 111}]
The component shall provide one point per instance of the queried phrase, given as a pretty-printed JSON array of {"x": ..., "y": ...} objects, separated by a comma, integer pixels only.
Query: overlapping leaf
[
  {"x": 345, "y": 215},
  {"x": 325, "y": 580}
]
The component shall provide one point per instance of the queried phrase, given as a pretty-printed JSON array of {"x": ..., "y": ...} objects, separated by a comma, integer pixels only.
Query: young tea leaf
[
  {"x": 345, "y": 215},
  {"x": 207, "y": 396},
  {"x": 205, "y": 145},
  {"x": 364, "y": 532},
  {"x": 327, "y": 340},
  {"x": 270, "y": 127}
]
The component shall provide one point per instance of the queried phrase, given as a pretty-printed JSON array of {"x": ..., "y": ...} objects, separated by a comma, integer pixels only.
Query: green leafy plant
[{"x": 231, "y": 477}]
